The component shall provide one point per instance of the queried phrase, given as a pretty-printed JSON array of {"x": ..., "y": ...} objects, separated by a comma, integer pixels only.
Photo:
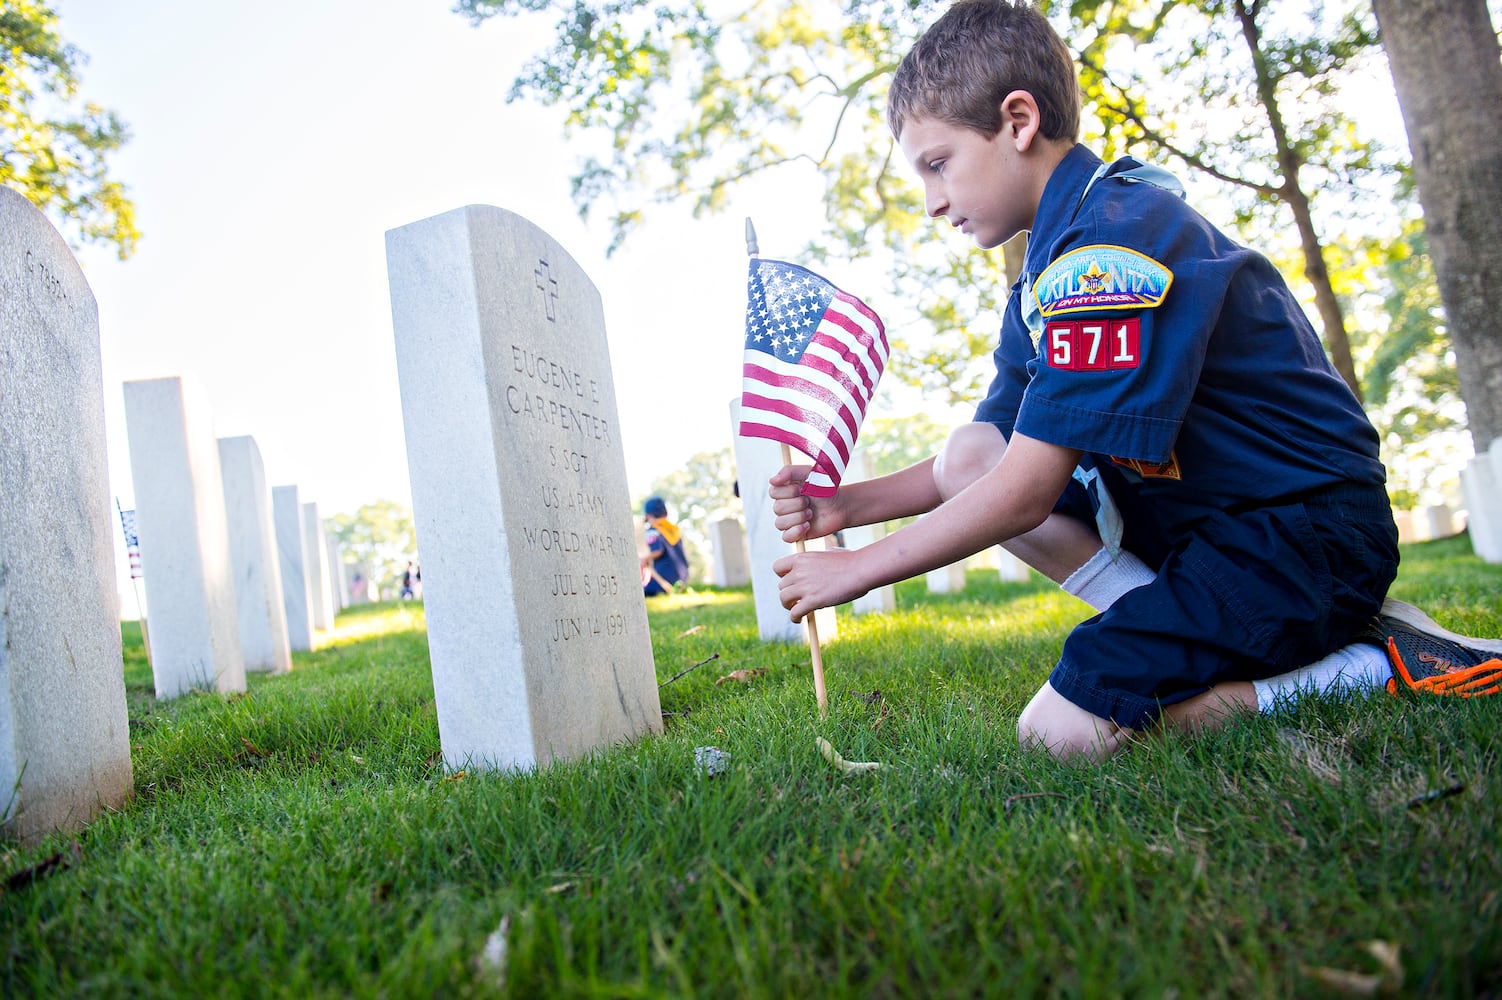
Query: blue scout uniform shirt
[
  {"x": 674, "y": 567},
  {"x": 1174, "y": 355}
]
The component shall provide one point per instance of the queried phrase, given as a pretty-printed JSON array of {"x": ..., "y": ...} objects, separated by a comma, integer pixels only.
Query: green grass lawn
[{"x": 303, "y": 839}]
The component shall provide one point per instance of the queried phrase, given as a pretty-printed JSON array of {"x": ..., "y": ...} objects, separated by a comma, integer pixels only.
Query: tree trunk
[
  {"x": 1447, "y": 70},
  {"x": 1332, "y": 317}
]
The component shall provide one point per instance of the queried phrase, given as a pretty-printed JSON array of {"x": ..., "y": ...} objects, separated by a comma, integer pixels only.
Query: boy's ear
[{"x": 1020, "y": 118}]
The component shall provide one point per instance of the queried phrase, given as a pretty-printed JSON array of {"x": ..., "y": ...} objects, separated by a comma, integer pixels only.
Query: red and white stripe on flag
[
  {"x": 132, "y": 542},
  {"x": 813, "y": 357}
]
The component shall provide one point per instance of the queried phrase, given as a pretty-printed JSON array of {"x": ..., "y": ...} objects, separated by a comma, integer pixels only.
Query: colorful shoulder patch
[{"x": 1096, "y": 278}]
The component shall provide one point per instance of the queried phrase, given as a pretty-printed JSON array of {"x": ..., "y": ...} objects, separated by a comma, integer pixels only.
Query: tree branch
[{"x": 1128, "y": 110}]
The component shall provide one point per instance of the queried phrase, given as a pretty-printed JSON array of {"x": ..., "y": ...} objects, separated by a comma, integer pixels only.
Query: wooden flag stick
[
  {"x": 821, "y": 695},
  {"x": 145, "y": 636}
]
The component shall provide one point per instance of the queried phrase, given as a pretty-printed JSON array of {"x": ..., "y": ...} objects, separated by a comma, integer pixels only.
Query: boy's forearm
[
  {"x": 899, "y": 494},
  {"x": 1012, "y": 499}
]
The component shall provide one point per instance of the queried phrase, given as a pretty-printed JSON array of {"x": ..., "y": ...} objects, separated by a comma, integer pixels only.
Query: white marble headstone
[
  {"x": 946, "y": 579},
  {"x": 338, "y": 572},
  {"x": 316, "y": 566},
  {"x": 537, "y": 628},
  {"x": 1481, "y": 483},
  {"x": 1440, "y": 520},
  {"x": 292, "y": 561},
  {"x": 884, "y": 598},
  {"x": 731, "y": 561},
  {"x": 181, "y": 523},
  {"x": 64, "y": 739},
  {"x": 253, "y": 559},
  {"x": 1010, "y": 568}
]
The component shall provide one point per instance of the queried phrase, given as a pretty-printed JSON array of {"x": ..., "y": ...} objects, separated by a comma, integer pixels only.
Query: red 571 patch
[{"x": 1093, "y": 345}]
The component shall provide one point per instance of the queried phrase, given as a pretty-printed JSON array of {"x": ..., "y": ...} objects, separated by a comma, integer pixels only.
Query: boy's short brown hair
[{"x": 978, "y": 52}]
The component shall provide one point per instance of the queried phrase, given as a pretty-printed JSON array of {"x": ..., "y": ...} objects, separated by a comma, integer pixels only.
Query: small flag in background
[
  {"x": 813, "y": 358},
  {"x": 132, "y": 542}
]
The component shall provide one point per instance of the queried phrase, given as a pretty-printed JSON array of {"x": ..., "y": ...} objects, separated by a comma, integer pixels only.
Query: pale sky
[{"x": 275, "y": 143}]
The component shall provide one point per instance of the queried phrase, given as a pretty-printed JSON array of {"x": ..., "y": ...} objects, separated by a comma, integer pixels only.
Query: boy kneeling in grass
[{"x": 1164, "y": 436}]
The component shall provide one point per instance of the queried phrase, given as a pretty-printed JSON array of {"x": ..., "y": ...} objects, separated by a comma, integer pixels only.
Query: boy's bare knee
[
  {"x": 972, "y": 450},
  {"x": 1053, "y": 723}
]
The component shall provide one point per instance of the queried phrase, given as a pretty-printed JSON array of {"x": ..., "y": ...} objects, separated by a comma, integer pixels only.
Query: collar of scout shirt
[{"x": 1067, "y": 176}]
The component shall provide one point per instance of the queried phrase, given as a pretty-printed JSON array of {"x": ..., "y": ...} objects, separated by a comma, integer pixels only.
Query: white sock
[
  {"x": 1357, "y": 669},
  {"x": 1100, "y": 581}
]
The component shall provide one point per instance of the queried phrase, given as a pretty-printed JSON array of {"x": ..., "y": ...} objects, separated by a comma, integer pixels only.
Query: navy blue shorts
[{"x": 1239, "y": 596}]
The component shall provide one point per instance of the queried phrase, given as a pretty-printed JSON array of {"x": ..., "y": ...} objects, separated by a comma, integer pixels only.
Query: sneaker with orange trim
[{"x": 1429, "y": 659}]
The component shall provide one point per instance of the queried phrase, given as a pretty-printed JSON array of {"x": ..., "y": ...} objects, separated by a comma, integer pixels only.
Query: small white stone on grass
[{"x": 711, "y": 760}]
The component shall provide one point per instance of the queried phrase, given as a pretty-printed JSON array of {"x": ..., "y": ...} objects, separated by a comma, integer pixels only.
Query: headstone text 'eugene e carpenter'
[{"x": 536, "y": 625}]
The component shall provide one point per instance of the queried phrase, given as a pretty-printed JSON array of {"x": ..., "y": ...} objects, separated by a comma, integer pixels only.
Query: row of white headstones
[
  {"x": 242, "y": 574},
  {"x": 536, "y": 624}
]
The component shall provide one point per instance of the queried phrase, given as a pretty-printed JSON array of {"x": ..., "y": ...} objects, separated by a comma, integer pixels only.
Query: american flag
[
  {"x": 813, "y": 358},
  {"x": 132, "y": 542}
]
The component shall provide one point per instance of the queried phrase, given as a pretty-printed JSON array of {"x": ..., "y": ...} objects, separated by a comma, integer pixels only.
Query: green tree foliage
[
  {"x": 379, "y": 535},
  {"x": 52, "y": 149},
  {"x": 694, "y": 103},
  {"x": 1411, "y": 379},
  {"x": 1245, "y": 92},
  {"x": 891, "y": 444}
]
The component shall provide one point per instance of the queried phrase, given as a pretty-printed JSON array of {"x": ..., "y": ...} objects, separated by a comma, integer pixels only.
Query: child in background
[{"x": 664, "y": 565}]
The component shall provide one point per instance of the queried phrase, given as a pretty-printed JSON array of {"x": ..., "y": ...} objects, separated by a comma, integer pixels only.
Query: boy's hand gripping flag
[{"x": 813, "y": 357}]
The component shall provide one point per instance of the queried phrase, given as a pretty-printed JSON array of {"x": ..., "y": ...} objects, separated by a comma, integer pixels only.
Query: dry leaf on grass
[
  {"x": 1352, "y": 984},
  {"x": 1387, "y": 982},
  {"x": 492, "y": 958},
  {"x": 1386, "y": 954},
  {"x": 741, "y": 676},
  {"x": 849, "y": 766},
  {"x": 692, "y": 631},
  {"x": 61, "y": 861}
]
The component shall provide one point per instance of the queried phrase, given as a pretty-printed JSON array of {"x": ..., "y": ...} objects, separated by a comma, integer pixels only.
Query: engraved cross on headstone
[{"x": 549, "y": 286}]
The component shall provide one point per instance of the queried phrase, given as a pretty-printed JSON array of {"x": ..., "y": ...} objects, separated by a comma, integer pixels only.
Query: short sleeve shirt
[
  {"x": 673, "y": 567},
  {"x": 1169, "y": 351}
]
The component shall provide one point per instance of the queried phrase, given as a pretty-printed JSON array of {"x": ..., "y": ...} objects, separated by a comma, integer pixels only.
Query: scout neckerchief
[{"x": 669, "y": 531}]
